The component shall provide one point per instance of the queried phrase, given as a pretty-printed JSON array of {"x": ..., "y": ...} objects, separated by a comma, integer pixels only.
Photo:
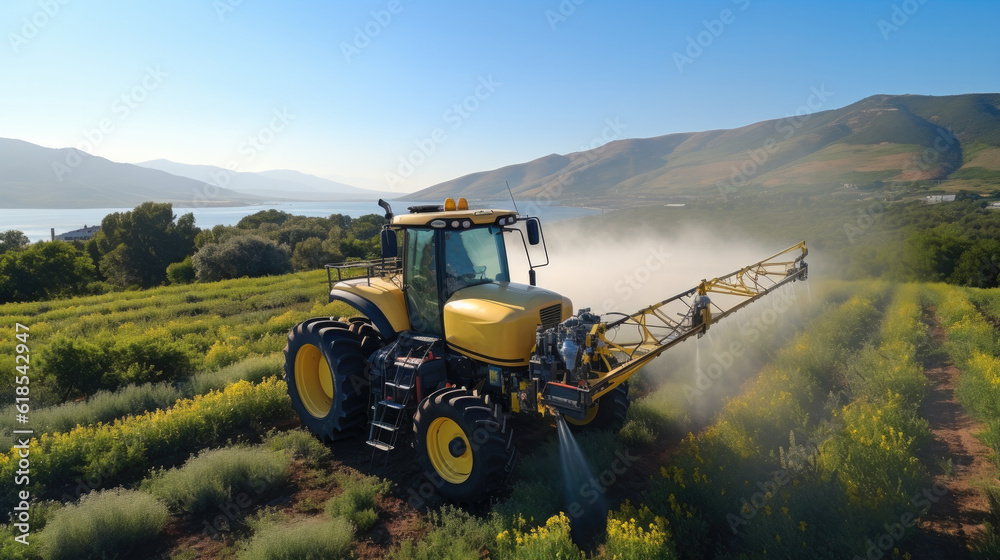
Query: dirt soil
[{"x": 947, "y": 526}]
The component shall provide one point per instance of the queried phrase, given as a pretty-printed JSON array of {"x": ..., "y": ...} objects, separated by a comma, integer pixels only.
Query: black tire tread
[
  {"x": 495, "y": 455},
  {"x": 345, "y": 353}
]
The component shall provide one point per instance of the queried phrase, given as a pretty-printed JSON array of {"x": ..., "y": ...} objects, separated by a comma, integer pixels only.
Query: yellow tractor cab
[{"x": 453, "y": 281}]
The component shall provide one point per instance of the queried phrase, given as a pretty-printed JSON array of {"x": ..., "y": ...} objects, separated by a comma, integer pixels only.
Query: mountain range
[
  {"x": 280, "y": 182},
  {"x": 33, "y": 176},
  {"x": 941, "y": 142},
  {"x": 949, "y": 142}
]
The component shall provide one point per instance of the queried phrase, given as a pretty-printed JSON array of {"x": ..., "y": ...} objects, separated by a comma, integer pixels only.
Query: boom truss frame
[{"x": 658, "y": 330}]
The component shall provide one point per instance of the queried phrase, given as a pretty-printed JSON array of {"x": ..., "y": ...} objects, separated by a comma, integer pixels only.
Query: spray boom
[{"x": 583, "y": 358}]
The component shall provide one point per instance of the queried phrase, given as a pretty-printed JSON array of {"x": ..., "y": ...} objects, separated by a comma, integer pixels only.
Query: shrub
[
  {"x": 85, "y": 366},
  {"x": 637, "y": 433},
  {"x": 637, "y": 534},
  {"x": 76, "y": 365},
  {"x": 874, "y": 453},
  {"x": 300, "y": 444},
  {"x": 244, "y": 255},
  {"x": 454, "y": 535},
  {"x": 105, "y": 524},
  {"x": 146, "y": 360},
  {"x": 542, "y": 543},
  {"x": 181, "y": 272},
  {"x": 219, "y": 477},
  {"x": 357, "y": 502},
  {"x": 311, "y": 539}
]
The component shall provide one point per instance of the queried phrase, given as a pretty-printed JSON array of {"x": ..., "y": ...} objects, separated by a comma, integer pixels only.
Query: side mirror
[
  {"x": 534, "y": 231},
  {"x": 389, "y": 244}
]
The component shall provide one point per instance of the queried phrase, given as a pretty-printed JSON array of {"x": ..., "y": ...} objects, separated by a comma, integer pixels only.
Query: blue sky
[{"x": 402, "y": 94}]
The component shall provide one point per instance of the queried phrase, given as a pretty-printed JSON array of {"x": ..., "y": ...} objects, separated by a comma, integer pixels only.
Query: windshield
[{"x": 474, "y": 256}]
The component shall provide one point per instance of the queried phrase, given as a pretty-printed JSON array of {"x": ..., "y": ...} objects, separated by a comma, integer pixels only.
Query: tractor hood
[{"x": 496, "y": 322}]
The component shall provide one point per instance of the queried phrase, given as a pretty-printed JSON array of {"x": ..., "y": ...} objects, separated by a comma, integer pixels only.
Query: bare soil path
[{"x": 950, "y": 522}]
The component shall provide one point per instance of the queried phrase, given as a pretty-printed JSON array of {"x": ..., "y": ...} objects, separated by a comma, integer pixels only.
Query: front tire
[
  {"x": 607, "y": 413},
  {"x": 327, "y": 376},
  {"x": 459, "y": 438}
]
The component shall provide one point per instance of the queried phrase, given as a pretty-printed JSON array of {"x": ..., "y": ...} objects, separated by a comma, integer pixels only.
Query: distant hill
[
  {"x": 35, "y": 177},
  {"x": 950, "y": 142},
  {"x": 282, "y": 183}
]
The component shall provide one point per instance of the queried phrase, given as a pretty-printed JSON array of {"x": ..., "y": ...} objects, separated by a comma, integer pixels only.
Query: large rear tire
[
  {"x": 463, "y": 444},
  {"x": 326, "y": 370},
  {"x": 608, "y": 412}
]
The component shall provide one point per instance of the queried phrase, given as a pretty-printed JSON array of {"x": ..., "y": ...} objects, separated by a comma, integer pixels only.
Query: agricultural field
[{"x": 806, "y": 426}]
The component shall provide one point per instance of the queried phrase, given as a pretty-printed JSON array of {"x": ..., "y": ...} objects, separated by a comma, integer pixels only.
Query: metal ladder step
[
  {"x": 399, "y": 386},
  {"x": 384, "y": 426},
  {"x": 392, "y": 404},
  {"x": 380, "y": 445}
]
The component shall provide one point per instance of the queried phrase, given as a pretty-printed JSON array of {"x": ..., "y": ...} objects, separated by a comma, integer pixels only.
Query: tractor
[{"x": 447, "y": 345}]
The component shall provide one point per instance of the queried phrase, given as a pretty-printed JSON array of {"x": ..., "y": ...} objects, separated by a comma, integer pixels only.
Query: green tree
[
  {"x": 931, "y": 255},
  {"x": 44, "y": 271},
  {"x": 342, "y": 221},
  {"x": 293, "y": 234},
  {"x": 137, "y": 246},
  {"x": 12, "y": 239},
  {"x": 272, "y": 216},
  {"x": 979, "y": 265},
  {"x": 314, "y": 253},
  {"x": 366, "y": 227},
  {"x": 245, "y": 255}
]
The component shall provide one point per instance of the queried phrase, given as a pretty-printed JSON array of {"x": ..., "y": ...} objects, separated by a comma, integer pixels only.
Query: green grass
[
  {"x": 309, "y": 539},
  {"x": 107, "y": 524},
  {"x": 453, "y": 534},
  {"x": 221, "y": 478},
  {"x": 357, "y": 501},
  {"x": 300, "y": 444},
  {"x": 103, "y": 406},
  {"x": 253, "y": 369}
]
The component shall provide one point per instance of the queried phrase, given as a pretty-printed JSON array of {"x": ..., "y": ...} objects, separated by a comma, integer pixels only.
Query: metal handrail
[{"x": 379, "y": 268}]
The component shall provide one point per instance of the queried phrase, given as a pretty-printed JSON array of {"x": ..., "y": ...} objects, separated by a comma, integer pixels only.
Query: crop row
[
  {"x": 786, "y": 468},
  {"x": 972, "y": 344},
  {"x": 103, "y": 455},
  {"x": 106, "y": 406},
  {"x": 83, "y": 345},
  {"x": 968, "y": 318},
  {"x": 221, "y": 490}
]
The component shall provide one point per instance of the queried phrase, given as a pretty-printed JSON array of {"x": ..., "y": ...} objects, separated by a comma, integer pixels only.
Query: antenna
[{"x": 512, "y": 197}]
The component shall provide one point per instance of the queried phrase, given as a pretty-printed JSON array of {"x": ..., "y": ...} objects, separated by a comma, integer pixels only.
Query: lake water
[{"x": 36, "y": 222}]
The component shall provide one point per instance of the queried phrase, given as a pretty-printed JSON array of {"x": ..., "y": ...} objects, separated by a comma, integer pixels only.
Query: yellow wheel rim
[
  {"x": 314, "y": 381},
  {"x": 444, "y": 438},
  {"x": 591, "y": 413}
]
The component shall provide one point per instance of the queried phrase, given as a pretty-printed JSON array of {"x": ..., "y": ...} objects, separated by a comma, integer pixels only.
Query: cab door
[{"x": 420, "y": 279}]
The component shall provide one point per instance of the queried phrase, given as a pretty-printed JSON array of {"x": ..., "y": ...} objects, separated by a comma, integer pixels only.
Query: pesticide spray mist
[
  {"x": 625, "y": 271},
  {"x": 587, "y": 517}
]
